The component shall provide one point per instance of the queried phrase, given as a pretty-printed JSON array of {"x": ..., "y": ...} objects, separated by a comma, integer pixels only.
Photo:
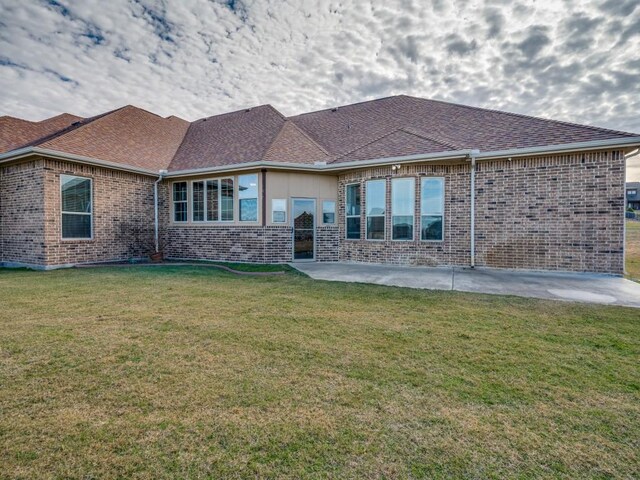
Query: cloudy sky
[{"x": 565, "y": 59}]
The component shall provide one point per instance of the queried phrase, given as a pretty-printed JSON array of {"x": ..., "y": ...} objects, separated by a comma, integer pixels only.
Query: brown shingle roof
[
  {"x": 387, "y": 127},
  {"x": 352, "y": 127},
  {"x": 129, "y": 136},
  {"x": 16, "y": 133}
]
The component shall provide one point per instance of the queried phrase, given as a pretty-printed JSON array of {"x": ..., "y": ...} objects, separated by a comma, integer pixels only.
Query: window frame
[
  {"x": 173, "y": 202},
  {"x": 347, "y": 217},
  {"x": 238, "y": 199},
  {"x": 189, "y": 201},
  {"x": 63, "y": 212},
  {"x": 443, "y": 204},
  {"x": 334, "y": 212},
  {"x": 383, "y": 181},
  {"x": 273, "y": 210},
  {"x": 413, "y": 209}
]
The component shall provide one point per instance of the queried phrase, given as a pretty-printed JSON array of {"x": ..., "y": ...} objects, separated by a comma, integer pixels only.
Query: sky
[{"x": 570, "y": 60}]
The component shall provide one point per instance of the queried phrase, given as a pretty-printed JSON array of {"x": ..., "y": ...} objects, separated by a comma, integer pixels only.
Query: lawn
[
  {"x": 193, "y": 372},
  {"x": 632, "y": 263}
]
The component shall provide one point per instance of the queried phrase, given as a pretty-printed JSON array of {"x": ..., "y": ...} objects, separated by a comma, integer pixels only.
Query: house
[
  {"x": 633, "y": 195},
  {"x": 398, "y": 180}
]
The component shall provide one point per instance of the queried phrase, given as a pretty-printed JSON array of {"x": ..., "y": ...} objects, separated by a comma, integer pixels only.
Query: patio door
[{"x": 304, "y": 228}]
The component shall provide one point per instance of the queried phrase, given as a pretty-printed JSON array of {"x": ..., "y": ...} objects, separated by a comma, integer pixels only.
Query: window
[
  {"x": 248, "y": 197},
  {"x": 352, "y": 211},
  {"x": 432, "y": 209},
  {"x": 226, "y": 200},
  {"x": 375, "y": 205},
  {"x": 402, "y": 208},
  {"x": 279, "y": 210},
  {"x": 329, "y": 212},
  {"x": 197, "y": 203},
  {"x": 206, "y": 198},
  {"x": 632, "y": 193},
  {"x": 213, "y": 200},
  {"x": 76, "y": 207},
  {"x": 180, "y": 202}
]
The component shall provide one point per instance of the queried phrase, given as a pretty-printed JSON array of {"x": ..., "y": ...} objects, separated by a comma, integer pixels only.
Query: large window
[
  {"x": 76, "y": 207},
  {"x": 375, "y": 206},
  {"x": 180, "y": 202},
  {"x": 248, "y": 197},
  {"x": 432, "y": 209},
  {"x": 402, "y": 208},
  {"x": 211, "y": 200},
  {"x": 328, "y": 212},
  {"x": 352, "y": 211}
]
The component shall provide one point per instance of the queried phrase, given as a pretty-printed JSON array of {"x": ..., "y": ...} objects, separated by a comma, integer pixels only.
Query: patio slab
[{"x": 576, "y": 287}]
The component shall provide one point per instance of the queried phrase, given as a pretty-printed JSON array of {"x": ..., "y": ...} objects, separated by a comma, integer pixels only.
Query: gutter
[{"x": 320, "y": 167}]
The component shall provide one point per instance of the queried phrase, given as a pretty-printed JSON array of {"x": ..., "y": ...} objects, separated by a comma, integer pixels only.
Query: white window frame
[
  {"x": 334, "y": 212},
  {"x": 347, "y": 217},
  {"x": 190, "y": 209},
  {"x": 367, "y": 216},
  {"x": 273, "y": 209},
  {"x": 442, "y": 204},
  {"x": 173, "y": 203},
  {"x": 63, "y": 212},
  {"x": 190, "y": 195},
  {"x": 412, "y": 180},
  {"x": 257, "y": 197}
]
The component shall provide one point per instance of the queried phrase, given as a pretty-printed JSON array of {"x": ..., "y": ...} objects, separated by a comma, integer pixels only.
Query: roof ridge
[
  {"x": 376, "y": 139},
  {"x": 349, "y": 105},
  {"x": 297, "y": 127},
  {"x": 521, "y": 115},
  {"x": 72, "y": 128},
  {"x": 433, "y": 139},
  {"x": 240, "y": 110}
]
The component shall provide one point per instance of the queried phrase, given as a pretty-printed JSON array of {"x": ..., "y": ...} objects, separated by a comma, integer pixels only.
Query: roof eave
[{"x": 45, "y": 152}]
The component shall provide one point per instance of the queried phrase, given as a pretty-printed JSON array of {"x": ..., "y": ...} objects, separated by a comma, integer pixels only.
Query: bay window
[
  {"x": 375, "y": 202},
  {"x": 402, "y": 208},
  {"x": 197, "y": 203},
  {"x": 352, "y": 211},
  {"x": 432, "y": 209},
  {"x": 77, "y": 210},
  {"x": 226, "y": 200}
]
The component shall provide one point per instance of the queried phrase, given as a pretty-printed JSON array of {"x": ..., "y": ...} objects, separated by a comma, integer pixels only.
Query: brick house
[{"x": 399, "y": 180}]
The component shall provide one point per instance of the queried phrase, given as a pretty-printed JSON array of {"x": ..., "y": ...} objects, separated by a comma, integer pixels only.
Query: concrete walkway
[{"x": 577, "y": 287}]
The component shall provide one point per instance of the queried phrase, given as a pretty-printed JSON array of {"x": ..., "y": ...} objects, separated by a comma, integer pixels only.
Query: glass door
[{"x": 304, "y": 226}]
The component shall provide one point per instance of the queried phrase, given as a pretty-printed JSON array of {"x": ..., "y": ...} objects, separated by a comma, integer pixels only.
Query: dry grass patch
[{"x": 196, "y": 373}]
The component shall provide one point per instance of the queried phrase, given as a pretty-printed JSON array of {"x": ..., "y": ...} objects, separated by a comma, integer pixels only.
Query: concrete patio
[{"x": 576, "y": 287}]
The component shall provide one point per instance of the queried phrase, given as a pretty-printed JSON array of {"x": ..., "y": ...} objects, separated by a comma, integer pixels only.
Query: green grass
[
  {"x": 632, "y": 250},
  {"x": 191, "y": 372}
]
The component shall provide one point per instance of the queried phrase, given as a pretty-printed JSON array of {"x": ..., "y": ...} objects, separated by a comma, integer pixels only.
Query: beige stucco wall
[{"x": 287, "y": 185}]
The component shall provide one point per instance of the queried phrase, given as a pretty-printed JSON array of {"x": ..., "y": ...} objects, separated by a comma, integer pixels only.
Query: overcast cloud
[{"x": 564, "y": 59}]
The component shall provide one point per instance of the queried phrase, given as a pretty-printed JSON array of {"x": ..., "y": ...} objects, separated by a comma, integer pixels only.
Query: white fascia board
[
  {"x": 626, "y": 142},
  {"x": 25, "y": 152}
]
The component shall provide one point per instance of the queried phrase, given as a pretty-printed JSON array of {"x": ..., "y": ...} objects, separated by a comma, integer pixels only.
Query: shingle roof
[
  {"x": 387, "y": 127},
  {"x": 16, "y": 133},
  {"x": 128, "y": 136},
  {"x": 352, "y": 127}
]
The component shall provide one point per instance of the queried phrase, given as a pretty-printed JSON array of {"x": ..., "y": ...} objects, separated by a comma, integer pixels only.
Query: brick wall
[
  {"x": 234, "y": 243},
  {"x": 552, "y": 212},
  {"x": 123, "y": 214},
  {"x": 454, "y": 250},
  {"x": 327, "y": 243},
  {"x": 562, "y": 212},
  {"x": 22, "y": 213}
]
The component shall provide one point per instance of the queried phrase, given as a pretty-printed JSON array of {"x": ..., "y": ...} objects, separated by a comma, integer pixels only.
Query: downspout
[
  {"x": 472, "y": 156},
  {"x": 264, "y": 197},
  {"x": 156, "y": 235}
]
